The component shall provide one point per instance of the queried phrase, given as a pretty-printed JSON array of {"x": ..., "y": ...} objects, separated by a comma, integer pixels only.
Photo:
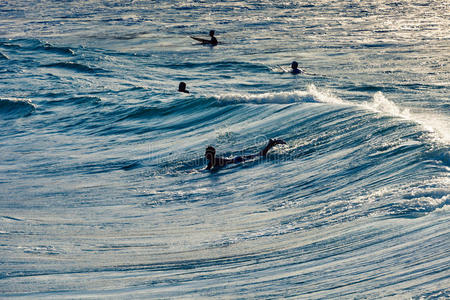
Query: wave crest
[
  {"x": 73, "y": 67},
  {"x": 438, "y": 125},
  {"x": 55, "y": 49},
  {"x": 16, "y": 108},
  {"x": 311, "y": 95},
  {"x": 431, "y": 122}
]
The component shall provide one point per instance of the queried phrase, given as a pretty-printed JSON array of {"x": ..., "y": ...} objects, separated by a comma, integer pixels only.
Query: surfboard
[
  {"x": 283, "y": 69},
  {"x": 203, "y": 41}
]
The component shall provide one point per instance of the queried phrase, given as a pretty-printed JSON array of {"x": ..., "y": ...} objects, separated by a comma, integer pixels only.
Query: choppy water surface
[{"x": 103, "y": 191}]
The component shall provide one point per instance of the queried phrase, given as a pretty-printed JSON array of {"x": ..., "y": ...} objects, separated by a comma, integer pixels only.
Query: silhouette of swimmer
[
  {"x": 217, "y": 162},
  {"x": 213, "y": 39},
  {"x": 182, "y": 87},
  {"x": 212, "y": 42},
  {"x": 295, "y": 69}
]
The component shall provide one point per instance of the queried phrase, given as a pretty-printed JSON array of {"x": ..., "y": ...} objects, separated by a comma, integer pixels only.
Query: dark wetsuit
[{"x": 220, "y": 161}]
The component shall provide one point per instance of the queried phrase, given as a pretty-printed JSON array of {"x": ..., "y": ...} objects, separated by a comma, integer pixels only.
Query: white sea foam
[
  {"x": 312, "y": 94},
  {"x": 426, "y": 196},
  {"x": 433, "y": 123},
  {"x": 276, "y": 97},
  {"x": 436, "y": 124},
  {"x": 324, "y": 96}
]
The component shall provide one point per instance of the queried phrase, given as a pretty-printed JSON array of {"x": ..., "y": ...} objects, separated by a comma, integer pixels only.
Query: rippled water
[{"x": 103, "y": 191}]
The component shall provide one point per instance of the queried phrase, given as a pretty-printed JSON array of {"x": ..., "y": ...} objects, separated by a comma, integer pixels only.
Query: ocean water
[{"x": 103, "y": 192}]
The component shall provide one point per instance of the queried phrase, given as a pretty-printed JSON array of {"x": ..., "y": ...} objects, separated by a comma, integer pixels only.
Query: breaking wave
[{"x": 14, "y": 108}]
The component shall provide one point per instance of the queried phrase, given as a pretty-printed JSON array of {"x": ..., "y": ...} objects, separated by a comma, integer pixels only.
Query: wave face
[
  {"x": 103, "y": 187},
  {"x": 15, "y": 108}
]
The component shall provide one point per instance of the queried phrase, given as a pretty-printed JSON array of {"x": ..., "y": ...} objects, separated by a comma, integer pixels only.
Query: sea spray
[{"x": 431, "y": 122}]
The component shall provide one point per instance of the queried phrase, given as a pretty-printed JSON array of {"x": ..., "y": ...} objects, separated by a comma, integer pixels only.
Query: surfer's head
[
  {"x": 182, "y": 87},
  {"x": 210, "y": 153},
  {"x": 211, "y": 33},
  {"x": 294, "y": 65}
]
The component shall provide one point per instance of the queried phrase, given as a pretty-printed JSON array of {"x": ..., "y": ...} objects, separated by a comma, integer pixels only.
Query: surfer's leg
[
  {"x": 239, "y": 159},
  {"x": 263, "y": 152},
  {"x": 270, "y": 144}
]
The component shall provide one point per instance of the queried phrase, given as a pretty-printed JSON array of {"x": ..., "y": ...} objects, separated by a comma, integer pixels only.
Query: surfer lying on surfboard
[
  {"x": 294, "y": 69},
  {"x": 217, "y": 162},
  {"x": 213, "y": 41}
]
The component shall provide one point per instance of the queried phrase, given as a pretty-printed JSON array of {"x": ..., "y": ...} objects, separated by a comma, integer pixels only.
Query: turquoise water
[{"x": 103, "y": 191}]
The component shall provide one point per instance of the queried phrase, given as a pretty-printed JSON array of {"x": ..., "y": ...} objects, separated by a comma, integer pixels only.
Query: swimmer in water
[
  {"x": 213, "y": 39},
  {"x": 217, "y": 162},
  {"x": 295, "y": 70},
  {"x": 212, "y": 42},
  {"x": 182, "y": 87}
]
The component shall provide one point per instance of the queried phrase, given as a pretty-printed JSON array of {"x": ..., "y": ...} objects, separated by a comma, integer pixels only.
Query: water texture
[{"x": 103, "y": 187}]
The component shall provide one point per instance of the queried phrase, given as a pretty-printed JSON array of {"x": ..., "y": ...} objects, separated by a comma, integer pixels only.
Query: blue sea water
[{"x": 103, "y": 192}]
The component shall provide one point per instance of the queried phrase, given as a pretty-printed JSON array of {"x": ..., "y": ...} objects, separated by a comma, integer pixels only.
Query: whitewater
[{"x": 103, "y": 187}]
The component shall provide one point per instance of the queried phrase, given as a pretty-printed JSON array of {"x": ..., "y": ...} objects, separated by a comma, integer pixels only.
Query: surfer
[
  {"x": 295, "y": 70},
  {"x": 217, "y": 162},
  {"x": 182, "y": 87},
  {"x": 213, "y": 38},
  {"x": 213, "y": 41}
]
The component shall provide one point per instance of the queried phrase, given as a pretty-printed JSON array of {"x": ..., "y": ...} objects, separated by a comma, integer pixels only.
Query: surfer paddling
[
  {"x": 217, "y": 162},
  {"x": 295, "y": 70},
  {"x": 213, "y": 41},
  {"x": 182, "y": 88}
]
